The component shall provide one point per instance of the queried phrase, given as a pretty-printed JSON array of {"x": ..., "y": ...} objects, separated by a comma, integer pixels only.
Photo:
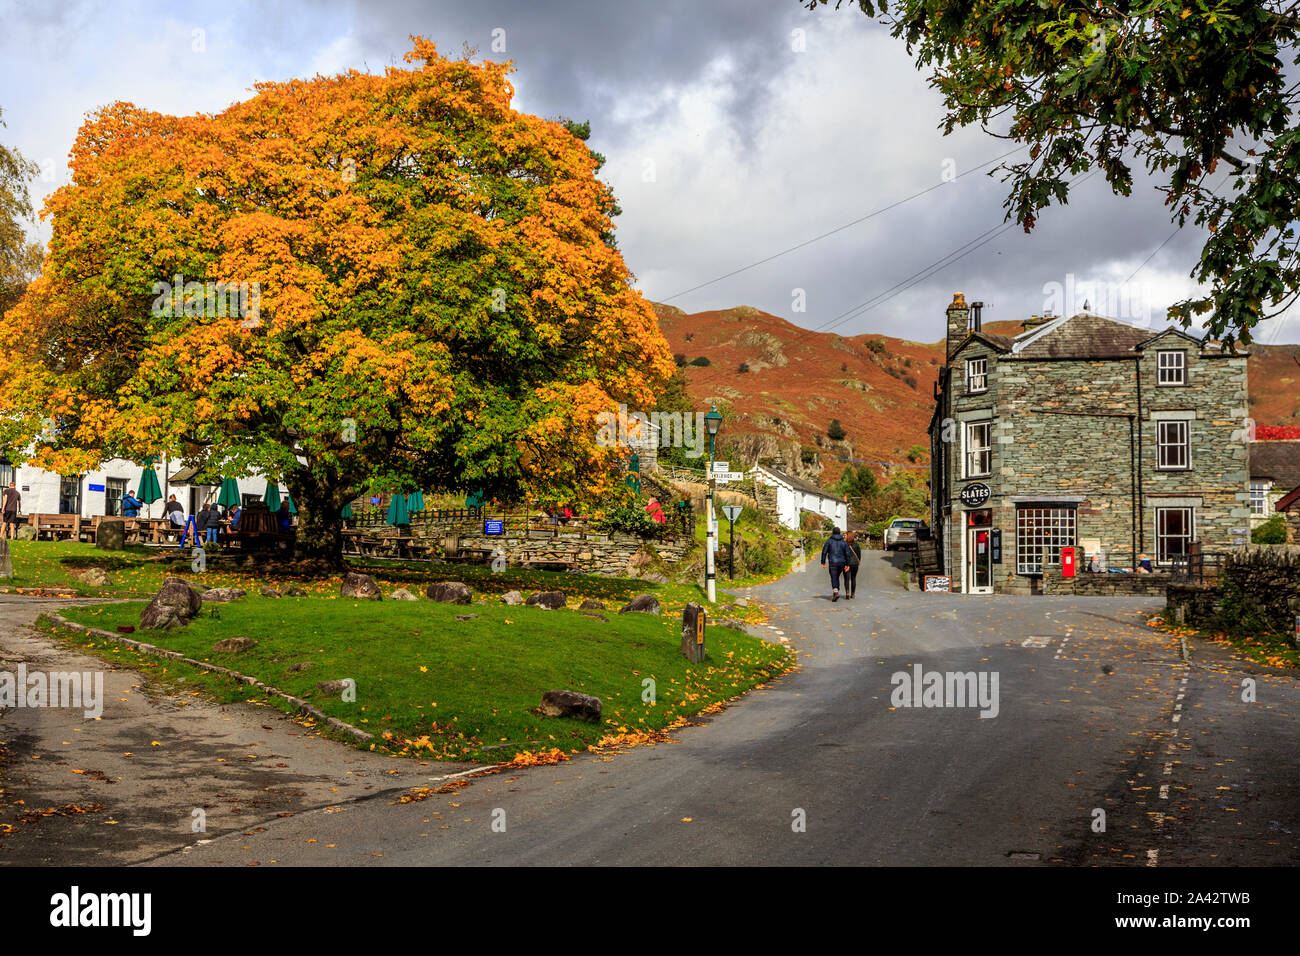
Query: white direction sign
[
  {"x": 726, "y": 476},
  {"x": 722, "y": 466}
]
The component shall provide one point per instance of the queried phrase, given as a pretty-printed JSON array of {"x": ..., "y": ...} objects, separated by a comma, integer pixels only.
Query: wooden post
[
  {"x": 694, "y": 619},
  {"x": 6, "y": 563}
]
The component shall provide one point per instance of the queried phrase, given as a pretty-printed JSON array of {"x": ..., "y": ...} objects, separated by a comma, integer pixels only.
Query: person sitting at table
[
  {"x": 175, "y": 513},
  {"x": 1144, "y": 565},
  {"x": 131, "y": 505},
  {"x": 283, "y": 518},
  {"x": 235, "y": 514}
]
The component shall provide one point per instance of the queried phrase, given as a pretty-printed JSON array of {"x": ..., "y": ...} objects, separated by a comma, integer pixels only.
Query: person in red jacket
[{"x": 656, "y": 511}]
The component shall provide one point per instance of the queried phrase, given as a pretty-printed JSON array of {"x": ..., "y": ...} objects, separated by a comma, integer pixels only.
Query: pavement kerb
[{"x": 145, "y": 648}]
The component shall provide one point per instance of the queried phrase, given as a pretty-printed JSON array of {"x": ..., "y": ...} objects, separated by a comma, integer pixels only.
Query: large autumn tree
[
  {"x": 20, "y": 258},
  {"x": 1196, "y": 92},
  {"x": 431, "y": 266}
]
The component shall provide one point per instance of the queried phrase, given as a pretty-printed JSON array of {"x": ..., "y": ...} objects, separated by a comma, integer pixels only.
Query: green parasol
[
  {"x": 293, "y": 508},
  {"x": 474, "y": 499},
  {"x": 272, "y": 496},
  {"x": 346, "y": 513},
  {"x": 415, "y": 501},
  {"x": 149, "y": 490},
  {"x": 397, "y": 511},
  {"x": 229, "y": 496}
]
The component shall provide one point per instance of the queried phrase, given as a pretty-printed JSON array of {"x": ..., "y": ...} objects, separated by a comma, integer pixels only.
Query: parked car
[{"x": 903, "y": 532}]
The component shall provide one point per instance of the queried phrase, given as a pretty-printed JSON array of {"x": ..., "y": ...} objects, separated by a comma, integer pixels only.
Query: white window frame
[
  {"x": 1038, "y": 546},
  {"x": 113, "y": 502},
  {"x": 1173, "y": 371},
  {"x": 1162, "y": 557},
  {"x": 973, "y": 375},
  {"x": 968, "y": 450},
  {"x": 1185, "y": 444},
  {"x": 1259, "y": 496}
]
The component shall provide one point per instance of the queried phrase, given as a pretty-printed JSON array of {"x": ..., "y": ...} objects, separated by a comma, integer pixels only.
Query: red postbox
[{"x": 1067, "y": 562}]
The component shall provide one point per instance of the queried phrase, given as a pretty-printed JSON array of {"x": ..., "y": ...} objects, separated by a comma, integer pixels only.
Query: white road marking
[
  {"x": 1164, "y": 791},
  {"x": 1153, "y": 857},
  {"x": 1035, "y": 641}
]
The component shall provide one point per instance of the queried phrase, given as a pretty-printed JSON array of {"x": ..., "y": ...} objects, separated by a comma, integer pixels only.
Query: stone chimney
[{"x": 958, "y": 321}]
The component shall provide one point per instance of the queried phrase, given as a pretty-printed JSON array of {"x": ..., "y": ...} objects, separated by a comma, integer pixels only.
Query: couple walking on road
[{"x": 843, "y": 555}]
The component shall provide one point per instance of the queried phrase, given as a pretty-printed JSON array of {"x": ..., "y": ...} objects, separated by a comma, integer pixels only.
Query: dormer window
[
  {"x": 1171, "y": 367},
  {"x": 977, "y": 375}
]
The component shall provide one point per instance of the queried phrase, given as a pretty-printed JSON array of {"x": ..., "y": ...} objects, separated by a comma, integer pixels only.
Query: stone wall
[
  {"x": 1258, "y": 590},
  {"x": 614, "y": 553},
  {"x": 1087, "y": 583}
]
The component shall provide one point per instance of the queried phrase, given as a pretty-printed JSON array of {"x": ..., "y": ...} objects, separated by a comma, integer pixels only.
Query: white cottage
[{"x": 795, "y": 496}]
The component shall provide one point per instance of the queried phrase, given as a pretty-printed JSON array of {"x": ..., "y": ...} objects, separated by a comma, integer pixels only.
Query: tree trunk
[{"x": 319, "y": 539}]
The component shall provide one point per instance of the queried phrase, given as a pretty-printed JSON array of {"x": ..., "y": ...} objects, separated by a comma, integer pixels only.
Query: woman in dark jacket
[{"x": 855, "y": 559}]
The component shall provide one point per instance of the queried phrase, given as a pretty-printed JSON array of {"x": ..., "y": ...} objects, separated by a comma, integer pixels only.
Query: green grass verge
[{"x": 456, "y": 690}]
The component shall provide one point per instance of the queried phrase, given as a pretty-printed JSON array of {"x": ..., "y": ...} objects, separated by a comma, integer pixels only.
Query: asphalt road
[{"x": 1097, "y": 714}]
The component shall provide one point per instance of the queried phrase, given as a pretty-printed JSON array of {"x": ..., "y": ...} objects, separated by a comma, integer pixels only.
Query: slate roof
[
  {"x": 187, "y": 476},
  {"x": 1276, "y": 460},
  {"x": 1081, "y": 336},
  {"x": 800, "y": 483}
]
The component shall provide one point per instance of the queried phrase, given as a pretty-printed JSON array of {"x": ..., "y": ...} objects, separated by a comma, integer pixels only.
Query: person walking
[
  {"x": 855, "y": 559},
  {"x": 10, "y": 503},
  {"x": 836, "y": 552}
]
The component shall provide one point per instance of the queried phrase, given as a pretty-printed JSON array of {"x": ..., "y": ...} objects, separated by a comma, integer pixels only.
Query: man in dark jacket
[{"x": 835, "y": 553}]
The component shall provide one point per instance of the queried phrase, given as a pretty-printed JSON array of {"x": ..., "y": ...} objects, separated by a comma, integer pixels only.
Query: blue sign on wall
[
  {"x": 494, "y": 527},
  {"x": 96, "y": 487},
  {"x": 375, "y": 500}
]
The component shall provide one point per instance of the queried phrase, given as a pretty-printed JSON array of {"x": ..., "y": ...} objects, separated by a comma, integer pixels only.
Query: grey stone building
[{"x": 1086, "y": 432}]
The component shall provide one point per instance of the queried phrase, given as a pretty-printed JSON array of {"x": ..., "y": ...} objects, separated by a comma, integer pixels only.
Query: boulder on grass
[
  {"x": 467, "y": 617},
  {"x": 234, "y": 645},
  {"x": 590, "y": 605},
  {"x": 643, "y": 603},
  {"x": 268, "y": 591},
  {"x": 173, "y": 606},
  {"x": 332, "y": 686},
  {"x": 551, "y": 600},
  {"x": 26, "y": 533},
  {"x": 401, "y": 594},
  {"x": 570, "y": 703},
  {"x": 360, "y": 586},
  {"x": 450, "y": 592},
  {"x": 599, "y": 617},
  {"x": 301, "y": 666},
  {"x": 95, "y": 577},
  {"x": 294, "y": 591},
  {"x": 111, "y": 535},
  {"x": 512, "y": 597},
  {"x": 222, "y": 595}
]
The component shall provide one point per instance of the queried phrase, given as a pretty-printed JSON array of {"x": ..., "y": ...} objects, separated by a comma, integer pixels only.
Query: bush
[
  {"x": 630, "y": 518},
  {"x": 679, "y": 358},
  {"x": 1272, "y": 531},
  {"x": 909, "y": 382},
  {"x": 807, "y": 456},
  {"x": 835, "y": 431},
  {"x": 700, "y": 360},
  {"x": 876, "y": 346},
  {"x": 760, "y": 558},
  {"x": 743, "y": 368}
]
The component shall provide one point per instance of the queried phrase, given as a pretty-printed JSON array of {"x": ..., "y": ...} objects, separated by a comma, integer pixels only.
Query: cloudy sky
[{"x": 731, "y": 137}]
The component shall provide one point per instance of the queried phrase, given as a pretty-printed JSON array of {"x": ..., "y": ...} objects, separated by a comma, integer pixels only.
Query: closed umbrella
[
  {"x": 229, "y": 496},
  {"x": 415, "y": 501},
  {"x": 272, "y": 496},
  {"x": 149, "y": 489},
  {"x": 346, "y": 513},
  {"x": 397, "y": 511},
  {"x": 293, "y": 508}
]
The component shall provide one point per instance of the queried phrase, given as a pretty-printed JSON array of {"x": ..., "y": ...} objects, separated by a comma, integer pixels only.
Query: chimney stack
[
  {"x": 977, "y": 310},
  {"x": 958, "y": 322}
]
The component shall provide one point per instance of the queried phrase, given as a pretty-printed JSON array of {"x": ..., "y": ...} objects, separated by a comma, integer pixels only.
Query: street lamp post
[{"x": 712, "y": 421}]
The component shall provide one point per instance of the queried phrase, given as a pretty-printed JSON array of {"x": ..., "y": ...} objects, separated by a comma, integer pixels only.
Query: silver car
[{"x": 902, "y": 532}]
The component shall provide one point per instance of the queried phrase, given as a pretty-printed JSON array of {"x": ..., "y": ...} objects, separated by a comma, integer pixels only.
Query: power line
[{"x": 824, "y": 235}]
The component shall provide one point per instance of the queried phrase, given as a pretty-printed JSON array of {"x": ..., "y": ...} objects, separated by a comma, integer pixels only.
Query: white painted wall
[{"x": 40, "y": 488}]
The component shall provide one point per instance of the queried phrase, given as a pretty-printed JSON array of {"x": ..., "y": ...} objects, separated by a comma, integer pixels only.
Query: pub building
[{"x": 1086, "y": 432}]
